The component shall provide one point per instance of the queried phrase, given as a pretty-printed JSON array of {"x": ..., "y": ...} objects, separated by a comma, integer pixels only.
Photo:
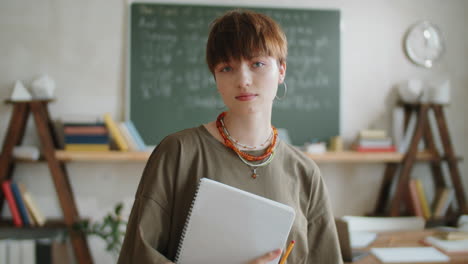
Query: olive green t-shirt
[{"x": 172, "y": 174}]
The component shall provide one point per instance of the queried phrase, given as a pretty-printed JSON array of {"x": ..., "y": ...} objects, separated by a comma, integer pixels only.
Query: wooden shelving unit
[
  {"x": 14, "y": 137},
  {"x": 399, "y": 174}
]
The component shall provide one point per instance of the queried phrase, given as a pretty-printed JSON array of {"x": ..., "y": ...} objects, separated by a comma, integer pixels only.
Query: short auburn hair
[{"x": 244, "y": 34}]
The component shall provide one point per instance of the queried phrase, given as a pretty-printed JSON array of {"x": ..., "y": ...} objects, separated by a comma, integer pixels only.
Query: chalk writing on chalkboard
[{"x": 171, "y": 88}]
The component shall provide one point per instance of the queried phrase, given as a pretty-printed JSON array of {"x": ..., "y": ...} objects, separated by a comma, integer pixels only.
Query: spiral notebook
[{"x": 231, "y": 226}]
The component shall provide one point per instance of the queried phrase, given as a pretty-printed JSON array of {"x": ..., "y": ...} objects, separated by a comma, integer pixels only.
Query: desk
[{"x": 405, "y": 239}]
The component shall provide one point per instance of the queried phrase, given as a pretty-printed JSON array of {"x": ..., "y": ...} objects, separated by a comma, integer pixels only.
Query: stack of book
[
  {"x": 23, "y": 209},
  {"x": 374, "y": 141},
  {"x": 86, "y": 136}
]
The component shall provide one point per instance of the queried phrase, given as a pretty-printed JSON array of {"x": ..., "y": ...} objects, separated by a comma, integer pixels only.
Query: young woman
[{"x": 246, "y": 53}]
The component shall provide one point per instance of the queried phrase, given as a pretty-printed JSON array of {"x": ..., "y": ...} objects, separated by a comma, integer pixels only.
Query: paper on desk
[
  {"x": 409, "y": 254},
  {"x": 361, "y": 239}
]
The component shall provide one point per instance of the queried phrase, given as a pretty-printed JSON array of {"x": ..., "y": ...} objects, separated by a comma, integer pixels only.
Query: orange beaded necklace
[{"x": 268, "y": 152}]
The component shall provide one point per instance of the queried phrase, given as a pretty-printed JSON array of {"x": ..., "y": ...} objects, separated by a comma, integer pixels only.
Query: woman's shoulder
[
  {"x": 295, "y": 154},
  {"x": 183, "y": 137}
]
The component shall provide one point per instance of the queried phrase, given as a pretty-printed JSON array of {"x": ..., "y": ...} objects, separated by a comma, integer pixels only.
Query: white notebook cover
[{"x": 231, "y": 226}]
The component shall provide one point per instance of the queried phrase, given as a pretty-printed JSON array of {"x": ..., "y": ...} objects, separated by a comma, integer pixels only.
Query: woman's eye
[
  {"x": 226, "y": 69},
  {"x": 258, "y": 64}
]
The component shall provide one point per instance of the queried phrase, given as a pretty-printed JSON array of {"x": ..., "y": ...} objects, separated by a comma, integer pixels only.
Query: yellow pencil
[{"x": 288, "y": 251}]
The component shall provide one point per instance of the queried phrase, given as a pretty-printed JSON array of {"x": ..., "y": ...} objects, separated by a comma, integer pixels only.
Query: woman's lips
[{"x": 246, "y": 97}]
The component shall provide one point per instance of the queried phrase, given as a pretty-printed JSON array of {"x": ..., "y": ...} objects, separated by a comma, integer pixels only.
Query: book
[
  {"x": 422, "y": 199},
  {"x": 59, "y": 135},
  {"x": 415, "y": 203},
  {"x": 453, "y": 235},
  {"x": 4, "y": 258},
  {"x": 28, "y": 251},
  {"x": 384, "y": 224},
  {"x": 132, "y": 145},
  {"x": 224, "y": 221},
  {"x": 447, "y": 246},
  {"x": 442, "y": 201},
  {"x": 375, "y": 143},
  {"x": 85, "y": 130},
  {"x": 44, "y": 251},
  {"x": 372, "y": 133},
  {"x": 87, "y": 147},
  {"x": 115, "y": 132},
  {"x": 14, "y": 251},
  {"x": 87, "y": 139},
  {"x": 409, "y": 254},
  {"x": 20, "y": 204},
  {"x": 34, "y": 211},
  {"x": 6, "y": 188},
  {"x": 136, "y": 135}
]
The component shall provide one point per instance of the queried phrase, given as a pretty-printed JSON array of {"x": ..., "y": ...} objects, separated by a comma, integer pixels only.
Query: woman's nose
[{"x": 245, "y": 77}]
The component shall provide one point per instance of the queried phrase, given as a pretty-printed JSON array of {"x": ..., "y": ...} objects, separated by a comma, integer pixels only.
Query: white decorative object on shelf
[
  {"x": 20, "y": 93},
  {"x": 43, "y": 87},
  {"x": 26, "y": 152},
  {"x": 411, "y": 91},
  {"x": 315, "y": 148}
]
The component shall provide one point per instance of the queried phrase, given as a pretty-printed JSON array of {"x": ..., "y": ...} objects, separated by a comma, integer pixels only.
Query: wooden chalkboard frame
[{"x": 302, "y": 126}]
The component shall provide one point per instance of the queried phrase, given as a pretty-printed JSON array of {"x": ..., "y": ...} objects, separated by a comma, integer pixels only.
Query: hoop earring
[{"x": 285, "y": 92}]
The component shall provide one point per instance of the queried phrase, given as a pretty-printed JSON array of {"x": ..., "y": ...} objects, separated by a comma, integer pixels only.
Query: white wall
[{"x": 81, "y": 44}]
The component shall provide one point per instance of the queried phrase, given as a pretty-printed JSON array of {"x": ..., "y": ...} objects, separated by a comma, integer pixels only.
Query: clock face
[{"x": 424, "y": 44}]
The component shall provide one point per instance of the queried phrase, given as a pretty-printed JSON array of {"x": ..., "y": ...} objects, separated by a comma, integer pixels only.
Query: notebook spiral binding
[{"x": 186, "y": 226}]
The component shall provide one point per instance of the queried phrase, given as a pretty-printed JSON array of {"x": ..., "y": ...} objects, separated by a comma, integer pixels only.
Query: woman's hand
[{"x": 267, "y": 257}]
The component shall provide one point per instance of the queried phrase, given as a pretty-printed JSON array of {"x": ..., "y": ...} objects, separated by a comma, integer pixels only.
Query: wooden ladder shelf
[
  {"x": 14, "y": 137},
  {"x": 423, "y": 132}
]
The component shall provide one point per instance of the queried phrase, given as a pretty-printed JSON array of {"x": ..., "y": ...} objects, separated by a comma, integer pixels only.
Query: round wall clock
[{"x": 424, "y": 44}]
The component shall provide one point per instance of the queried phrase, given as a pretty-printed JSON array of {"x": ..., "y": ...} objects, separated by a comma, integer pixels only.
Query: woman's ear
[{"x": 282, "y": 72}]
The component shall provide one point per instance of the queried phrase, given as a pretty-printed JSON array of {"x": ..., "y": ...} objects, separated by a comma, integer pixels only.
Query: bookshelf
[
  {"x": 48, "y": 140},
  {"x": 399, "y": 174}
]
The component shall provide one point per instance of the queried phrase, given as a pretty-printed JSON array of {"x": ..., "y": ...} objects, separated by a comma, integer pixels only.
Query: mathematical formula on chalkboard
[{"x": 171, "y": 88}]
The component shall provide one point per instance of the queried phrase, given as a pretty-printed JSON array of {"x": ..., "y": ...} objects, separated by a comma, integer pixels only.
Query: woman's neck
[{"x": 251, "y": 129}]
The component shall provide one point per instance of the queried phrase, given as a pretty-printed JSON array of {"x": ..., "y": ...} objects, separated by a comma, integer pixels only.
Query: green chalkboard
[{"x": 170, "y": 87}]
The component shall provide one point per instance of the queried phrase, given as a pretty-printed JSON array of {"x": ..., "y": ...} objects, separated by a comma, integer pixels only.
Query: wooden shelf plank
[
  {"x": 101, "y": 155},
  {"x": 365, "y": 157},
  {"x": 51, "y": 229},
  {"x": 345, "y": 156}
]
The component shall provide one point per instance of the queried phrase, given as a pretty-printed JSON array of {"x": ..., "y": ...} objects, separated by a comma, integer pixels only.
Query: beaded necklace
[
  {"x": 245, "y": 157},
  {"x": 237, "y": 143}
]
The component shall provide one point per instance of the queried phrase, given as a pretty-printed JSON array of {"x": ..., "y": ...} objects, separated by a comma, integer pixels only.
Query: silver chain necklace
[{"x": 253, "y": 166}]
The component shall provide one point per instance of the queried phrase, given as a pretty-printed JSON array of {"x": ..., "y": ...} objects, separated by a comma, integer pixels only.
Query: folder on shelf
[{"x": 225, "y": 221}]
